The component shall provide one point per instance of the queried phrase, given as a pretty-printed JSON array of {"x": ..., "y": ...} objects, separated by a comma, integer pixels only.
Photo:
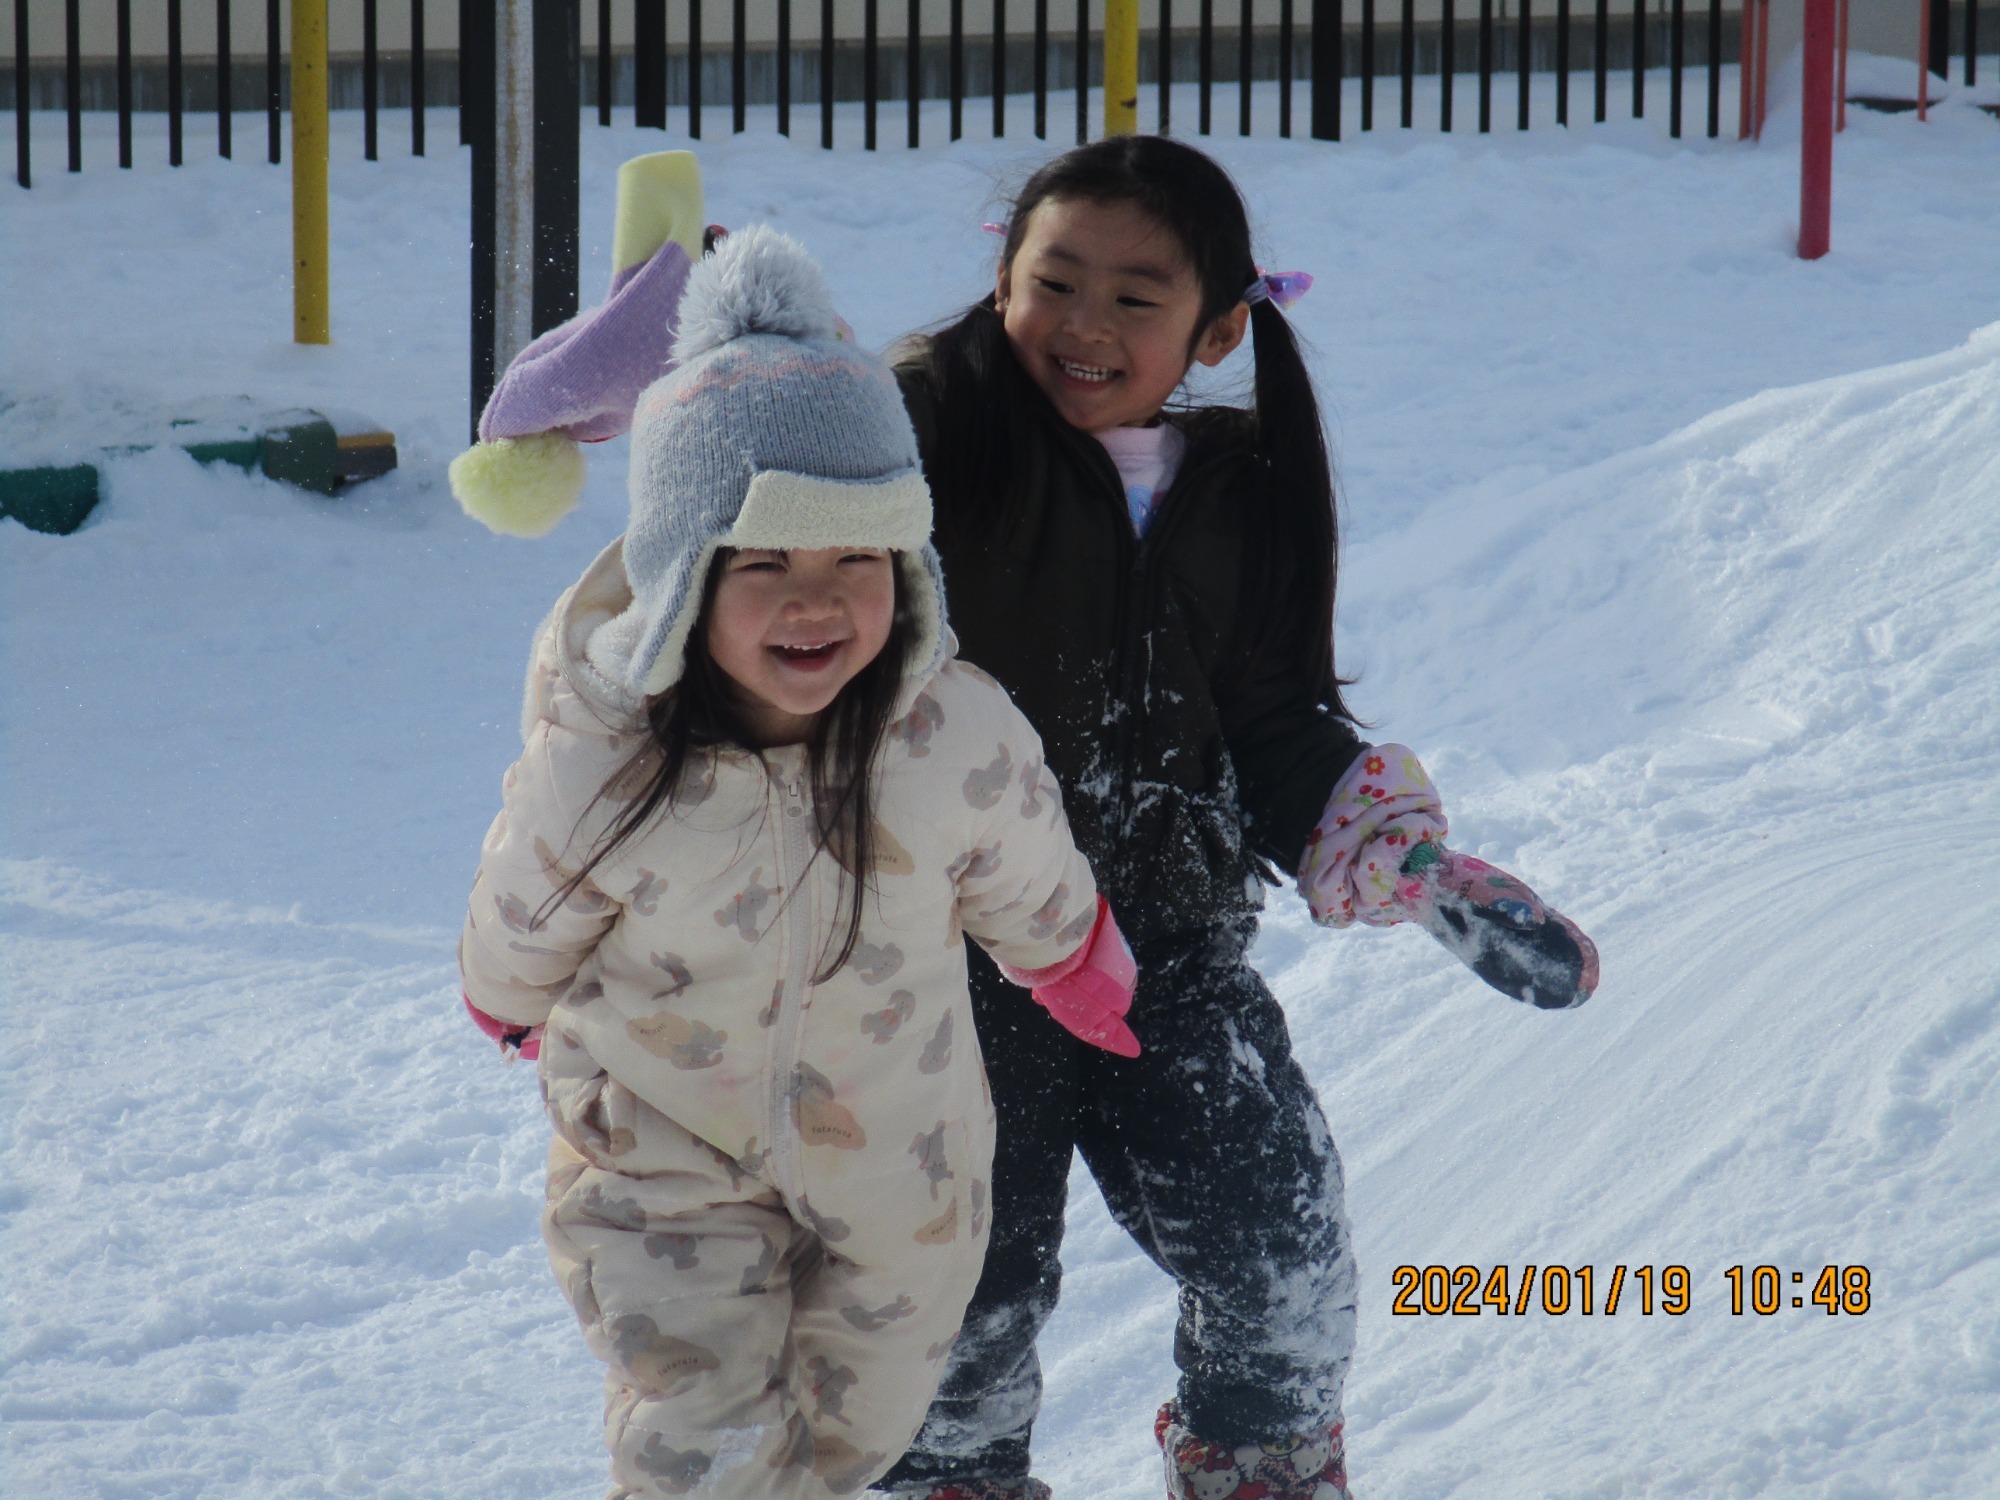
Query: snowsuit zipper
[{"x": 787, "y": 1041}]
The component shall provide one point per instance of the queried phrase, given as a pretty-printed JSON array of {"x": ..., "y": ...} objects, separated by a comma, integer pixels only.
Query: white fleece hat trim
[{"x": 783, "y": 511}]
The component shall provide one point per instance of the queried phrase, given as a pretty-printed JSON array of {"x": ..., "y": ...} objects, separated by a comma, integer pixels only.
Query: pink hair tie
[
  {"x": 999, "y": 229},
  {"x": 1280, "y": 287}
]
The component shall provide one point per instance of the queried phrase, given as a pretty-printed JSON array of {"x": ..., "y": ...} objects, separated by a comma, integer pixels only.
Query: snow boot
[{"x": 1310, "y": 1467}]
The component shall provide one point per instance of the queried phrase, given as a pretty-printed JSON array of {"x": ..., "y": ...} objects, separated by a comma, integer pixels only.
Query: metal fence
[{"x": 697, "y": 63}]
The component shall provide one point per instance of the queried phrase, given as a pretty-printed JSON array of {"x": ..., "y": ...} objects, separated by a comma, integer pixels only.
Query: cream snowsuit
[{"x": 767, "y": 1195}]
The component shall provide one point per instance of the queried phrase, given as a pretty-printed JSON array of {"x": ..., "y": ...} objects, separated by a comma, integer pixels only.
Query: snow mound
[{"x": 1731, "y": 701}]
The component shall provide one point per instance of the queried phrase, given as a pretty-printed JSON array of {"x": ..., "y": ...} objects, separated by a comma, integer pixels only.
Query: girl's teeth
[{"x": 1084, "y": 372}]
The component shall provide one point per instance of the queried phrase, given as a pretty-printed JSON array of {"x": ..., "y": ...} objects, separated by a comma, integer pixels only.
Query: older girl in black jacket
[{"x": 1156, "y": 590}]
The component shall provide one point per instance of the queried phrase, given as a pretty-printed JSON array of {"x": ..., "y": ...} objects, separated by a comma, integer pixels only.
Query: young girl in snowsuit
[
  {"x": 759, "y": 807},
  {"x": 1155, "y": 588}
]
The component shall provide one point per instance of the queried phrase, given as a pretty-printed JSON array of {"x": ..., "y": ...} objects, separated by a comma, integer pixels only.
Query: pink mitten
[
  {"x": 1090, "y": 991},
  {"x": 525, "y": 1039},
  {"x": 1380, "y": 810}
]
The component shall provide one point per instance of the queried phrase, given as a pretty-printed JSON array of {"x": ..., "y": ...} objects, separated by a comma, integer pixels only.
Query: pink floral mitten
[
  {"x": 527, "y": 1040},
  {"x": 1090, "y": 991},
  {"x": 1384, "y": 807},
  {"x": 1378, "y": 856}
]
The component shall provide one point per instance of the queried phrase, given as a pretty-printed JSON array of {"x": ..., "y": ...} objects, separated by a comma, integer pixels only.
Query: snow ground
[{"x": 1676, "y": 558}]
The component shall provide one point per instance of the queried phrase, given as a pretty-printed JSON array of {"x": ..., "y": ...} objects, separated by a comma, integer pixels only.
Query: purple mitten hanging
[
  {"x": 578, "y": 383},
  {"x": 1498, "y": 928}
]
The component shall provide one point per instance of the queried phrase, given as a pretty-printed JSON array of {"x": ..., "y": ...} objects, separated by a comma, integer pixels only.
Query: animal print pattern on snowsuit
[{"x": 769, "y": 1187}]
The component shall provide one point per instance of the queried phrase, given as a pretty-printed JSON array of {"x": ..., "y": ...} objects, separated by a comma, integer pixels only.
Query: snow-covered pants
[
  {"x": 1212, "y": 1153},
  {"x": 750, "y": 1359}
]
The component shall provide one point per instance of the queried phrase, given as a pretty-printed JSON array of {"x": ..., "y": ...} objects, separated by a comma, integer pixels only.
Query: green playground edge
[{"x": 302, "y": 448}]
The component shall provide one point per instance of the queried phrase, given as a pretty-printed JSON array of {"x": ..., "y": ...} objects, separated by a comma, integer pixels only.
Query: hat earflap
[{"x": 520, "y": 486}]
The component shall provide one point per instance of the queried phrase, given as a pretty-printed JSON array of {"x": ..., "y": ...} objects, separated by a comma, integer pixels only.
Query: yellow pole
[
  {"x": 1121, "y": 67},
  {"x": 310, "y": 317}
]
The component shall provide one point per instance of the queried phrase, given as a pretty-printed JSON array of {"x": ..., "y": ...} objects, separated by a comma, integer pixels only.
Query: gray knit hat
[{"x": 771, "y": 432}]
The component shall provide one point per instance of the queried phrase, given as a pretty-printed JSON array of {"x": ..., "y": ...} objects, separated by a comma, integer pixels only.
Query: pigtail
[{"x": 1291, "y": 444}]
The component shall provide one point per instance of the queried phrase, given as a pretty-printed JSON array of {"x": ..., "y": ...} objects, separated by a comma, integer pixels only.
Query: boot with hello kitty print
[
  {"x": 972, "y": 1489},
  {"x": 1308, "y": 1467}
]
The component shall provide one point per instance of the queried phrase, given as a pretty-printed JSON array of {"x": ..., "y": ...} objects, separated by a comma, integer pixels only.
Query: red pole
[
  {"x": 1816, "y": 134},
  {"x": 1763, "y": 62},
  {"x": 1840, "y": 84}
]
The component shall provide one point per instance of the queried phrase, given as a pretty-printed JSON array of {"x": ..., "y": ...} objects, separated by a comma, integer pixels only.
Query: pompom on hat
[
  {"x": 579, "y": 382},
  {"x": 773, "y": 432}
]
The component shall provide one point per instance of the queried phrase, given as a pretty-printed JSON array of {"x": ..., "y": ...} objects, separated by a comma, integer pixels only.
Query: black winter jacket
[{"x": 1189, "y": 763}]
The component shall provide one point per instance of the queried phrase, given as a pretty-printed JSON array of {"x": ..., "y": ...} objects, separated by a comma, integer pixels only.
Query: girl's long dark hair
[
  {"x": 977, "y": 381},
  {"x": 697, "y": 717}
]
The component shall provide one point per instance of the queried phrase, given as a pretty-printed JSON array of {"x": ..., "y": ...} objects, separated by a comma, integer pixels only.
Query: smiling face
[
  {"x": 1102, "y": 307},
  {"x": 791, "y": 629}
]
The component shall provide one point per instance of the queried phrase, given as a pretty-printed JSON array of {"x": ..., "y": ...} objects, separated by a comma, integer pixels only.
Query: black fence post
[
  {"x": 1406, "y": 60},
  {"x": 1562, "y": 63},
  {"x": 124, "y": 83},
  {"x": 1082, "y": 71},
  {"x": 73, "y": 82},
  {"x": 1714, "y": 68},
  {"x": 1601, "y": 61},
  {"x": 1638, "y": 59},
  {"x": 1285, "y": 45},
  {"x": 1447, "y": 63},
  {"x": 1206, "y": 61},
  {"x": 558, "y": 39},
  {"x": 694, "y": 70},
  {"x": 826, "y": 74},
  {"x": 1525, "y": 63},
  {"x": 1327, "y": 69},
  {"x": 785, "y": 65},
  {"x": 739, "y": 64},
  {"x": 417, "y": 80},
  {"x": 1485, "y": 66},
  {"x": 465, "y": 27},
  {"x": 1243, "y": 68},
  {"x": 870, "y": 81},
  {"x": 649, "y": 64},
  {"x": 1677, "y": 58},
  {"x": 175, "y": 91},
  {"x": 1367, "y": 64},
  {"x": 605, "y": 75},
  {"x": 224, "y": 144},
  {"x": 273, "y": 85},
  {"x": 1971, "y": 42},
  {"x": 370, "y": 81},
  {"x": 476, "y": 104},
  {"x": 999, "y": 69},
  {"x": 914, "y": 69},
  {"x": 23, "y": 165},
  {"x": 957, "y": 68},
  {"x": 1940, "y": 58},
  {"x": 1165, "y": 44},
  {"x": 1041, "y": 69}
]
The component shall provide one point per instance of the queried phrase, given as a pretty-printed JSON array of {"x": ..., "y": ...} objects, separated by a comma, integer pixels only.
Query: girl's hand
[
  {"x": 1090, "y": 991},
  {"x": 1381, "y": 809},
  {"x": 526, "y": 1040}
]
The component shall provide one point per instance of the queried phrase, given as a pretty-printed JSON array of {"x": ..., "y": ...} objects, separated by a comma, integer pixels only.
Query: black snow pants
[{"x": 1211, "y": 1152}]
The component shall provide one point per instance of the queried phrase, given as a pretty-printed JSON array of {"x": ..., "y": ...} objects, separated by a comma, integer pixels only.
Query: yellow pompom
[{"x": 519, "y": 486}]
